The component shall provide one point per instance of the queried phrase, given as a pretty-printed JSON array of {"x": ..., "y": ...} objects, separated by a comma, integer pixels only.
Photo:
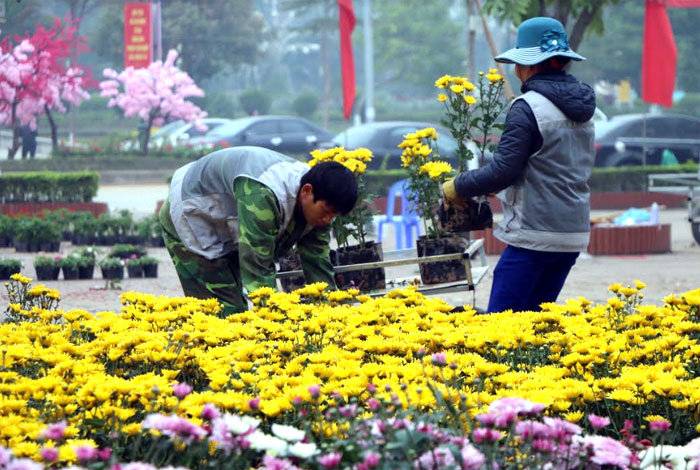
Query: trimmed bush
[{"x": 46, "y": 186}]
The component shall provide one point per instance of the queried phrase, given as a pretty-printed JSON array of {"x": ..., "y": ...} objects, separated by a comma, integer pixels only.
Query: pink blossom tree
[
  {"x": 34, "y": 80},
  {"x": 155, "y": 94}
]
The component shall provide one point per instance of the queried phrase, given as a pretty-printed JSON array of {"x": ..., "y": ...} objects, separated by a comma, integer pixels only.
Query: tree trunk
[
  {"x": 147, "y": 138},
  {"x": 507, "y": 89},
  {"x": 54, "y": 130},
  {"x": 581, "y": 25},
  {"x": 471, "y": 39},
  {"x": 15, "y": 134}
]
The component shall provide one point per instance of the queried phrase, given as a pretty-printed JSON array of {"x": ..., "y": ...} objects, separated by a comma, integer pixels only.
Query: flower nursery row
[
  {"x": 80, "y": 264},
  {"x": 45, "y": 231},
  {"x": 401, "y": 374}
]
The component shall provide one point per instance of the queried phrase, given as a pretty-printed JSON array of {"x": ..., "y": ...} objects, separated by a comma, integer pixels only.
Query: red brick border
[{"x": 15, "y": 209}]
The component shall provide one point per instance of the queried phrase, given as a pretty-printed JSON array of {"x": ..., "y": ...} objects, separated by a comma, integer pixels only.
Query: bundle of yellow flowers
[
  {"x": 107, "y": 372},
  {"x": 426, "y": 171},
  {"x": 471, "y": 118}
]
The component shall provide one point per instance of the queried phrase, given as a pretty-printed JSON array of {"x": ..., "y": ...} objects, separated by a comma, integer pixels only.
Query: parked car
[
  {"x": 383, "y": 138},
  {"x": 180, "y": 132},
  {"x": 621, "y": 140},
  {"x": 287, "y": 134},
  {"x": 176, "y": 133}
]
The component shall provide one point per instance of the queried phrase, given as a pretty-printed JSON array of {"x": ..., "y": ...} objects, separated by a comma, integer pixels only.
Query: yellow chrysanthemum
[{"x": 435, "y": 169}]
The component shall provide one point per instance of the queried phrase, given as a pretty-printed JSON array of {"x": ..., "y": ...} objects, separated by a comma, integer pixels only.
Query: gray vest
[
  {"x": 548, "y": 208},
  {"x": 202, "y": 205}
]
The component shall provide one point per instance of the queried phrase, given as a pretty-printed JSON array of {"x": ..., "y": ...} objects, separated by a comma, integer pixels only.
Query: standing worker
[
  {"x": 543, "y": 164},
  {"x": 232, "y": 213}
]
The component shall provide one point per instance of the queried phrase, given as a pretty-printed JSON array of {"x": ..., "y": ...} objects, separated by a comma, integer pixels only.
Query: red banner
[
  {"x": 658, "y": 56},
  {"x": 682, "y": 3},
  {"x": 347, "y": 24},
  {"x": 138, "y": 37}
]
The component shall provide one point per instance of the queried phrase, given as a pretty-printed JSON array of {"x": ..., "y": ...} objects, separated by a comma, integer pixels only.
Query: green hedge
[
  {"x": 631, "y": 178},
  {"x": 46, "y": 186}
]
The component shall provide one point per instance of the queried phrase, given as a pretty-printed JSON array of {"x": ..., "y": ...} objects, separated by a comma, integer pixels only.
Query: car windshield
[
  {"x": 602, "y": 128},
  {"x": 228, "y": 129},
  {"x": 354, "y": 137},
  {"x": 168, "y": 128}
]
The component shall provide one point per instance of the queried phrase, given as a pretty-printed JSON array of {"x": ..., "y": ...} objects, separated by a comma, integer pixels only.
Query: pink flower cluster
[{"x": 154, "y": 94}]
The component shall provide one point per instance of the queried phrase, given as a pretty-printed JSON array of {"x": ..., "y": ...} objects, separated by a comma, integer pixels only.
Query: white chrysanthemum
[
  {"x": 260, "y": 441},
  {"x": 303, "y": 450},
  {"x": 240, "y": 424},
  {"x": 288, "y": 433}
]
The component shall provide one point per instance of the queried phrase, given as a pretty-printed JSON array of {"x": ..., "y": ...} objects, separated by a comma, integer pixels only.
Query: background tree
[
  {"x": 155, "y": 94},
  {"x": 577, "y": 16},
  {"x": 33, "y": 79},
  {"x": 209, "y": 35},
  {"x": 318, "y": 21},
  {"x": 416, "y": 50}
]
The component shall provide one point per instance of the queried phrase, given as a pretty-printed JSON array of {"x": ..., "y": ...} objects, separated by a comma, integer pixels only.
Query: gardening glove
[{"x": 450, "y": 197}]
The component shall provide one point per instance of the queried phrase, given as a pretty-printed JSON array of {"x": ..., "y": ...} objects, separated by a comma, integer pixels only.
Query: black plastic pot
[
  {"x": 150, "y": 270},
  {"x": 86, "y": 272},
  {"x": 113, "y": 273},
  {"x": 47, "y": 273},
  {"x": 135, "y": 271},
  {"x": 365, "y": 279},
  {"x": 69, "y": 274},
  {"x": 291, "y": 262},
  {"x": 442, "y": 271}
]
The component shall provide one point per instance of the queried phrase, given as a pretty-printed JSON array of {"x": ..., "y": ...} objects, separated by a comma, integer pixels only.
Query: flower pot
[
  {"x": 442, "y": 271},
  {"x": 291, "y": 262},
  {"x": 156, "y": 242},
  {"x": 21, "y": 247},
  {"x": 113, "y": 273},
  {"x": 86, "y": 272},
  {"x": 365, "y": 279},
  {"x": 134, "y": 271},
  {"x": 5, "y": 241},
  {"x": 4, "y": 273},
  {"x": 150, "y": 270},
  {"x": 69, "y": 274},
  {"x": 49, "y": 247},
  {"x": 47, "y": 273}
]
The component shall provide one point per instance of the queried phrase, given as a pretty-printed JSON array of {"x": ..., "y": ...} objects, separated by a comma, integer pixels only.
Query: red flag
[
  {"x": 347, "y": 24},
  {"x": 682, "y": 3},
  {"x": 659, "y": 56}
]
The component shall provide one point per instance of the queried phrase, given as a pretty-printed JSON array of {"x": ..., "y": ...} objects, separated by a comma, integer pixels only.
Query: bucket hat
[{"x": 539, "y": 39}]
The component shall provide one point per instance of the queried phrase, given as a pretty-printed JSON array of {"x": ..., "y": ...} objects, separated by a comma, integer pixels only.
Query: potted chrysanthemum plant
[
  {"x": 471, "y": 114},
  {"x": 351, "y": 230},
  {"x": 426, "y": 172}
]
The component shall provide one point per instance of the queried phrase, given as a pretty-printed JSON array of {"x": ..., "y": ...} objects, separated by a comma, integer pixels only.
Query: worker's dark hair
[
  {"x": 333, "y": 183},
  {"x": 556, "y": 63}
]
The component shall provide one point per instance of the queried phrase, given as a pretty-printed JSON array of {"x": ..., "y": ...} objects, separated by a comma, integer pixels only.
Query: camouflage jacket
[{"x": 260, "y": 243}]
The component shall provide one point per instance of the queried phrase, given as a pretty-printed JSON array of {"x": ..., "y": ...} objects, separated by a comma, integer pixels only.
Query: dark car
[
  {"x": 621, "y": 141},
  {"x": 285, "y": 134},
  {"x": 383, "y": 138}
]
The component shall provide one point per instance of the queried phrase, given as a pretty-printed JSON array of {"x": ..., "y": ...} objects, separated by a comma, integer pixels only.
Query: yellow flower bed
[{"x": 621, "y": 360}]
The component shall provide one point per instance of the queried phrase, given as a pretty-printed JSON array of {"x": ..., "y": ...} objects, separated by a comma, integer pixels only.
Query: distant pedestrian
[{"x": 28, "y": 136}]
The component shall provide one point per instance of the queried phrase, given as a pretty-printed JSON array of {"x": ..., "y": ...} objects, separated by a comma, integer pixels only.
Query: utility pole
[
  {"x": 369, "y": 61},
  {"x": 159, "y": 29}
]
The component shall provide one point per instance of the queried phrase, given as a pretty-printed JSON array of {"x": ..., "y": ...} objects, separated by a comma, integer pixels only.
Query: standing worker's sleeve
[
  {"x": 259, "y": 220},
  {"x": 314, "y": 250}
]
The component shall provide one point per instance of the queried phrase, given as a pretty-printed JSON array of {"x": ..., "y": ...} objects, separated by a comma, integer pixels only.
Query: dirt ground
[{"x": 675, "y": 272}]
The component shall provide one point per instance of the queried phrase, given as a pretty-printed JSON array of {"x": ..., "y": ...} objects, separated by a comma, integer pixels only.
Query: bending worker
[
  {"x": 543, "y": 163},
  {"x": 232, "y": 213}
]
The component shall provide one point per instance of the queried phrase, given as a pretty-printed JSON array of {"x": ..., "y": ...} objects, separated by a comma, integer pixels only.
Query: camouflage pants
[{"x": 201, "y": 277}]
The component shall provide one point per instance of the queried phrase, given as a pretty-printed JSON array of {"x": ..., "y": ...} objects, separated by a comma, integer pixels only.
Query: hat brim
[{"x": 533, "y": 55}]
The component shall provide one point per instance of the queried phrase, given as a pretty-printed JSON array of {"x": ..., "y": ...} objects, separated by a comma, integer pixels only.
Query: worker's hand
[{"x": 450, "y": 198}]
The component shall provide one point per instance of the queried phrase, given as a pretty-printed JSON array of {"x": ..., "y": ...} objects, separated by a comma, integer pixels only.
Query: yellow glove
[{"x": 449, "y": 193}]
